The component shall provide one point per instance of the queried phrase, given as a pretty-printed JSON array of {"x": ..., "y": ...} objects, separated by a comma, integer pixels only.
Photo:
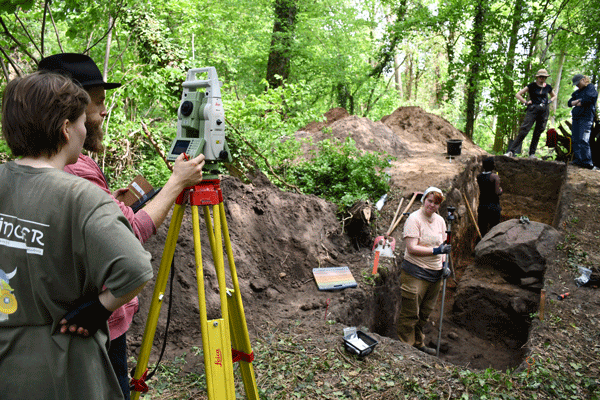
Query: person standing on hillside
[
  {"x": 489, "y": 210},
  {"x": 538, "y": 109},
  {"x": 583, "y": 101},
  {"x": 422, "y": 273},
  {"x": 84, "y": 72}
]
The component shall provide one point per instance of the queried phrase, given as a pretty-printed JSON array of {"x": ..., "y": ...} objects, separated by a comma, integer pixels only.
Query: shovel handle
[
  {"x": 375, "y": 262},
  {"x": 405, "y": 211},
  {"x": 395, "y": 215}
]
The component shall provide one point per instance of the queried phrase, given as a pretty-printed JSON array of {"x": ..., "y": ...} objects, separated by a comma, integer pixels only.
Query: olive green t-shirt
[{"x": 61, "y": 239}]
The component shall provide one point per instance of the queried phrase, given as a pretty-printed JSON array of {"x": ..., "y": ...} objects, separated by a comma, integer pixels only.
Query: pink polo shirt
[
  {"x": 143, "y": 228},
  {"x": 430, "y": 232}
]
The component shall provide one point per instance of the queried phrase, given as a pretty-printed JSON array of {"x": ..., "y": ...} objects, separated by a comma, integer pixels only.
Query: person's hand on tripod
[{"x": 443, "y": 248}]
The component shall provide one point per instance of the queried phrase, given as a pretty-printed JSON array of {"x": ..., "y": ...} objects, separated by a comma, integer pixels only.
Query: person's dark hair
[
  {"x": 488, "y": 164},
  {"x": 436, "y": 197},
  {"x": 34, "y": 109}
]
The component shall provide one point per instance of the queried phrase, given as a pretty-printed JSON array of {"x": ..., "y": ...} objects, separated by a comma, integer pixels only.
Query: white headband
[{"x": 429, "y": 190}]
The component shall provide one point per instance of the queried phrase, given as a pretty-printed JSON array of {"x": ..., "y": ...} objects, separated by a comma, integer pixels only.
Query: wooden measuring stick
[
  {"x": 472, "y": 216},
  {"x": 542, "y": 304}
]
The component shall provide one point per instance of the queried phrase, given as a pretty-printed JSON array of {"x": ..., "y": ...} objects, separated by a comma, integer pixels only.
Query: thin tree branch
[
  {"x": 119, "y": 8},
  {"x": 108, "y": 46},
  {"x": 261, "y": 156},
  {"x": 17, "y": 69},
  {"x": 4, "y": 69},
  {"x": 55, "y": 31},
  {"x": 155, "y": 145},
  {"x": 27, "y": 32},
  {"x": 14, "y": 39},
  {"x": 46, "y": 8}
]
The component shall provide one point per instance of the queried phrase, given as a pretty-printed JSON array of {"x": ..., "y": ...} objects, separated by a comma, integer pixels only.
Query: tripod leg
[
  {"x": 448, "y": 263},
  {"x": 439, "y": 341},
  {"x": 216, "y": 339},
  {"x": 239, "y": 329},
  {"x": 157, "y": 297}
]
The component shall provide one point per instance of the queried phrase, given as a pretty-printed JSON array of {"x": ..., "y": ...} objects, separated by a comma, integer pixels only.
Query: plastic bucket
[{"x": 454, "y": 147}]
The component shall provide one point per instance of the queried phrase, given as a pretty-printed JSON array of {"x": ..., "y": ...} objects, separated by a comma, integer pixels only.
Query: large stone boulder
[{"x": 518, "y": 251}]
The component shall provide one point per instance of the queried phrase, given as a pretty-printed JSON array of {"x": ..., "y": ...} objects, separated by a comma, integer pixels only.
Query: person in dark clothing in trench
[{"x": 488, "y": 212}]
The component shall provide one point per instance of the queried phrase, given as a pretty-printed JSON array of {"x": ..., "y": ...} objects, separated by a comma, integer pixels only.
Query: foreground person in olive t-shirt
[{"x": 56, "y": 255}]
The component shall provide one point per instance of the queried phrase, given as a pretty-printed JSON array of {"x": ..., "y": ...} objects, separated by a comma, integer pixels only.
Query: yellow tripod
[{"x": 218, "y": 335}]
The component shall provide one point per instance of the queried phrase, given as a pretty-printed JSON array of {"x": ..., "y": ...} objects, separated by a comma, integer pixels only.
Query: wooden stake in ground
[{"x": 472, "y": 216}]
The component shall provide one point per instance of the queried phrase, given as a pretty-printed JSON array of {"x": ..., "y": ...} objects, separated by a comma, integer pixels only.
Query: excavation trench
[{"x": 487, "y": 313}]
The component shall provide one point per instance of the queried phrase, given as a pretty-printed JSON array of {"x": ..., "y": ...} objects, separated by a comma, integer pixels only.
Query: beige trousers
[{"x": 418, "y": 301}]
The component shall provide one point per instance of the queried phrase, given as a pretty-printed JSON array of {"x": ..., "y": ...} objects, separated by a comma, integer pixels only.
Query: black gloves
[
  {"x": 446, "y": 271},
  {"x": 443, "y": 248},
  {"x": 89, "y": 315}
]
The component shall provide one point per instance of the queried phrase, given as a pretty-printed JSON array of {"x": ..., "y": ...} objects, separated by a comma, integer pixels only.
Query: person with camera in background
[
  {"x": 538, "y": 110},
  {"x": 69, "y": 258},
  {"x": 583, "y": 101},
  {"x": 84, "y": 71},
  {"x": 422, "y": 272}
]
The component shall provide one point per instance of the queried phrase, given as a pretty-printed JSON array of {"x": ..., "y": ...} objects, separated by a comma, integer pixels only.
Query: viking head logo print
[{"x": 8, "y": 301}]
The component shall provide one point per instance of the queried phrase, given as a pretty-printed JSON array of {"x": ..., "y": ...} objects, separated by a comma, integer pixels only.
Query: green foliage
[
  {"x": 268, "y": 121},
  {"x": 10, "y": 6},
  {"x": 341, "y": 174},
  {"x": 5, "y": 153},
  {"x": 342, "y": 55},
  {"x": 156, "y": 46}
]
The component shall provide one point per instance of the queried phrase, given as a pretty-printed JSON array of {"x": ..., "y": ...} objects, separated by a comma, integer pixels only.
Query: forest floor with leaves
[{"x": 296, "y": 330}]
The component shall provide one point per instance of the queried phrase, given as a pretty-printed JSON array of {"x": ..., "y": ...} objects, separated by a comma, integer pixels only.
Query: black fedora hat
[{"x": 79, "y": 67}]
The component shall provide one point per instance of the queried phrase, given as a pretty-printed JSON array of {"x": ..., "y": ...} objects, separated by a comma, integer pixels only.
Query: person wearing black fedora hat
[
  {"x": 79, "y": 67},
  {"x": 537, "y": 112},
  {"x": 83, "y": 71},
  {"x": 583, "y": 101}
]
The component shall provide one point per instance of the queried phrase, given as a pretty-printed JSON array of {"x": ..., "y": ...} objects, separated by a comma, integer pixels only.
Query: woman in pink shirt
[{"x": 424, "y": 235}]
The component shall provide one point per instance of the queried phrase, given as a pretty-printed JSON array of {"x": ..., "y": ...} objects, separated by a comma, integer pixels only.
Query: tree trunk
[
  {"x": 278, "y": 65},
  {"x": 388, "y": 50},
  {"x": 439, "y": 92},
  {"x": 507, "y": 115},
  {"x": 409, "y": 76},
  {"x": 398, "y": 76},
  {"x": 554, "y": 105},
  {"x": 451, "y": 82},
  {"x": 108, "y": 45},
  {"x": 596, "y": 62},
  {"x": 536, "y": 25},
  {"x": 473, "y": 77},
  {"x": 345, "y": 98}
]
